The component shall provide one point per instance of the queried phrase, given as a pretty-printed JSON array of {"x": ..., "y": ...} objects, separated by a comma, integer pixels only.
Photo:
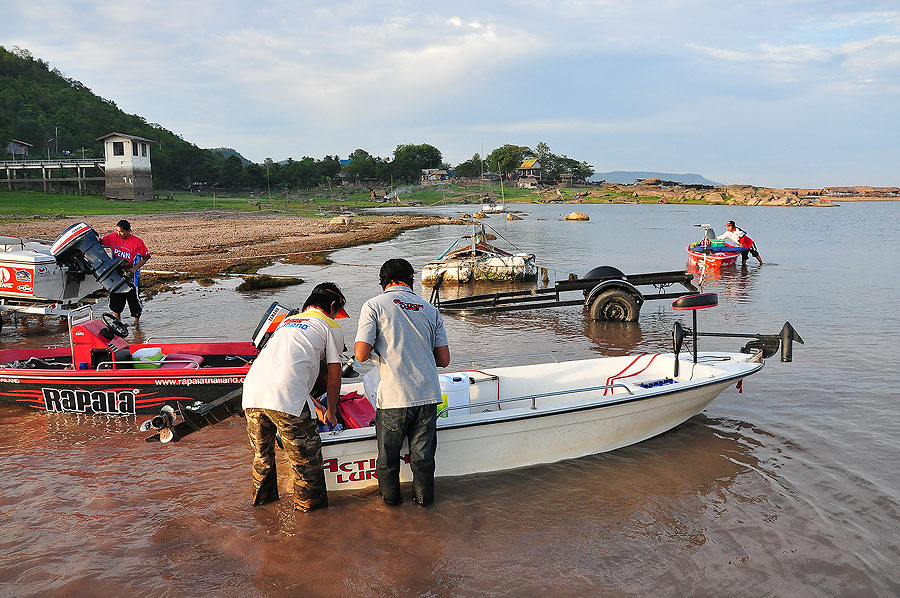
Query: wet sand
[{"x": 206, "y": 243}]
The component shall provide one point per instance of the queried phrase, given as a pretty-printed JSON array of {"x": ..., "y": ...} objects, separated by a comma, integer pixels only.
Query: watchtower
[{"x": 128, "y": 174}]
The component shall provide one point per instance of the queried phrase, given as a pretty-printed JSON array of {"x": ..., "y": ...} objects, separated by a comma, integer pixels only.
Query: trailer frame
[{"x": 610, "y": 298}]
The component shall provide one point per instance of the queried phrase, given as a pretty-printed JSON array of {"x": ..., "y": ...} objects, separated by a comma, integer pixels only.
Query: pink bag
[{"x": 356, "y": 411}]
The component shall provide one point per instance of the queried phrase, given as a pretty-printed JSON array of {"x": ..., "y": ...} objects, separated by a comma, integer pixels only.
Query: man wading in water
[
  {"x": 277, "y": 397},
  {"x": 405, "y": 335}
]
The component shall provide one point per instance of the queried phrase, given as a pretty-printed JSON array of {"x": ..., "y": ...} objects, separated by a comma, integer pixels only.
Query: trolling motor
[{"x": 767, "y": 343}]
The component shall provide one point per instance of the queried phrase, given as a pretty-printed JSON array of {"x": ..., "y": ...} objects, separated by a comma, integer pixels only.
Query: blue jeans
[{"x": 419, "y": 426}]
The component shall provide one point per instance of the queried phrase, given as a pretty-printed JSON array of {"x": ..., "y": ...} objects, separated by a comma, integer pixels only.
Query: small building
[
  {"x": 566, "y": 178},
  {"x": 434, "y": 174},
  {"x": 378, "y": 194},
  {"x": 18, "y": 149},
  {"x": 530, "y": 167},
  {"x": 127, "y": 166}
]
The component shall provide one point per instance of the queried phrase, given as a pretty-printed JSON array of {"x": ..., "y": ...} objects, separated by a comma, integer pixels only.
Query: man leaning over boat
[{"x": 277, "y": 397}]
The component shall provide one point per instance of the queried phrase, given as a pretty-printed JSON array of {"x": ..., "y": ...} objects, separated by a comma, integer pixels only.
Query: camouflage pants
[{"x": 303, "y": 447}]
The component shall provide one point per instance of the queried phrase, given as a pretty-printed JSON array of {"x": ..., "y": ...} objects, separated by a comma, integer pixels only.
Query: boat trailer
[{"x": 609, "y": 294}]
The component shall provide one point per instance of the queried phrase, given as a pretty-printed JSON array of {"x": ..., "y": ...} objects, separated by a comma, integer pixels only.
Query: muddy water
[{"x": 787, "y": 489}]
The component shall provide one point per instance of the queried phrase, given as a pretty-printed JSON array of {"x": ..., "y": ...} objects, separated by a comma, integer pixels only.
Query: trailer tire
[{"x": 615, "y": 305}]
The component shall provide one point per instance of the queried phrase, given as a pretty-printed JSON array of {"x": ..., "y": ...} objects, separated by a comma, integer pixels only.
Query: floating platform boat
[{"x": 471, "y": 257}]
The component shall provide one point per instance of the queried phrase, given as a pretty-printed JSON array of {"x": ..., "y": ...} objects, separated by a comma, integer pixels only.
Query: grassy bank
[{"x": 307, "y": 203}]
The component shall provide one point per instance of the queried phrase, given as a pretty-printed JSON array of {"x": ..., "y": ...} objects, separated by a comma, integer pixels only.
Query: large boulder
[{"x": 714, "y": 198}]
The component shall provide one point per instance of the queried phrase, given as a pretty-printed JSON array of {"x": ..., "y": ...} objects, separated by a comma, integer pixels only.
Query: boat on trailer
[
  {"x": 498, "y": 418},
  {"x": 101, "y": 373}
]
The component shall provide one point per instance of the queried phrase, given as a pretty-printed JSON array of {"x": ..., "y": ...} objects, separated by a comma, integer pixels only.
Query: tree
[
  {"x": 471, "y": 168},
  {"x": 361, "y": 166},
  {"x": 230, "y": 171},
  {"x": 410, "y": 159},
  {"x": 509, "y": 157}
]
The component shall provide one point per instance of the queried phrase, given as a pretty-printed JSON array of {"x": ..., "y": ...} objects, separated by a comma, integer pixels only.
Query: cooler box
[
  {"x": 355, "y": 410},
  {"x": 148, "y": 357},
  {"x": 454, "y": 393}
]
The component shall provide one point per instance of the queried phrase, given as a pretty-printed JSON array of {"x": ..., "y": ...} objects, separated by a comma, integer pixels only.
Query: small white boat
[
  {"x": 526, "y": 415},
  {"x": 479, "y": 260},
  {"x": 493, "y": 208}
]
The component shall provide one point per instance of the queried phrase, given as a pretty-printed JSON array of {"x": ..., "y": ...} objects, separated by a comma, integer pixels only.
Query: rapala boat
[
  {"x": 471, "y": 257},
  {"x": 497, "y": 418},
  {"x": 101, "y": 373},
  {"x": 713, "y": 253}
]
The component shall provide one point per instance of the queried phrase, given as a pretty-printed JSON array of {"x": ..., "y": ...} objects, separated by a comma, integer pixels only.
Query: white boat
[
  {"x": 478, "y": 260},
  {"x": 527, "y": 415},
  {"x": 493, "y": 208}
]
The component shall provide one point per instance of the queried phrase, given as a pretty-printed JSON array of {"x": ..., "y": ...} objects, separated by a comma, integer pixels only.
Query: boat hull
[
  {"x": 124, "y": 391},
  {"x": 513, "y": 268},
  {"x": 713, "y": 259},
  {"x": 520, "y": 436}
]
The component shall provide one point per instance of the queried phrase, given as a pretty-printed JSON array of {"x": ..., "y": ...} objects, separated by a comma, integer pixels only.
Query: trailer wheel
[{"x": 615, "y": 305}]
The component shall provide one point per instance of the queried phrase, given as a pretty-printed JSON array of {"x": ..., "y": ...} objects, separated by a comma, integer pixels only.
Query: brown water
[{"x": 788, "y": 489}]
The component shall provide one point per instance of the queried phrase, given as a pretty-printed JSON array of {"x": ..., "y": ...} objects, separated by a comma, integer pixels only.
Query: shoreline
[{"x": 205, "y": 244}]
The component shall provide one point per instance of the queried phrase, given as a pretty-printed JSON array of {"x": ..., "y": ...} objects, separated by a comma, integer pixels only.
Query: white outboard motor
[{"x": 79, "y": 248}]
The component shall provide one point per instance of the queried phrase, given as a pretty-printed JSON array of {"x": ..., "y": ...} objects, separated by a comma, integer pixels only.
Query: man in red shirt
[{"x": 132, "y": 249}]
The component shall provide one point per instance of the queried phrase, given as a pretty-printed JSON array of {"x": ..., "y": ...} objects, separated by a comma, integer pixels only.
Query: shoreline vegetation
[{"x": 199, "y": 236}]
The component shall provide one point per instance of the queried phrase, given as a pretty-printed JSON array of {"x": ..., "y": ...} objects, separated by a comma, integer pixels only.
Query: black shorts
[{"x": 117, "y": 302}]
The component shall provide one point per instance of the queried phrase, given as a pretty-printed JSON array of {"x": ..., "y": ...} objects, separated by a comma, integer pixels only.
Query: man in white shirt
[
  {"x": 739, "y": 238},
  {"x": 405, "y": 335},
  {"x": 277, "y": 397}
]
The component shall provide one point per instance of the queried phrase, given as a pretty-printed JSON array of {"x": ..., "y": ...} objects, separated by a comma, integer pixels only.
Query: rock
[
  {"x": 577, "y": 216},
  {"x": 714, "y": 198},
  {"x": 477, "y": 215},
  {"x": 341, "y": 220},
  {"x": 512, "y": 217}
]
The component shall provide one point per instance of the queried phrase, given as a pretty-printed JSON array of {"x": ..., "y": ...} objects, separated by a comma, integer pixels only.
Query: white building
[{"x": 127, "y": 166}]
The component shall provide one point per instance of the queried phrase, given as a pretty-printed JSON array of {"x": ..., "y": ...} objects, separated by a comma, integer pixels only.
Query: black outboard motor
[{"x": 79, "y": 248}]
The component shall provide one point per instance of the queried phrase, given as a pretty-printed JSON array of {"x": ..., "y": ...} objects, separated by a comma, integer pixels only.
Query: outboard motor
[{"x": 79, "y": 248}]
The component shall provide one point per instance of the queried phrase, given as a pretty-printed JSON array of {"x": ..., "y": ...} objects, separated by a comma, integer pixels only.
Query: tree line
[{"x": 58, "y": 114}]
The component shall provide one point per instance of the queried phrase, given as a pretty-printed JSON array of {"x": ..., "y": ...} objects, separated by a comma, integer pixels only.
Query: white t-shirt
[
  {"x": 285, "y": 371},
  {"x": 404, "y": 330}
]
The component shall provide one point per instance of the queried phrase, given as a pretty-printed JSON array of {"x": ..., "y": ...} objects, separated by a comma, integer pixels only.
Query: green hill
[{"x": 38, "y": 103}]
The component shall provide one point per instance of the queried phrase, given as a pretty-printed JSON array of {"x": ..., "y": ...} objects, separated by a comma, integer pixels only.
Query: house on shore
[{"x": 530, "y": 167}]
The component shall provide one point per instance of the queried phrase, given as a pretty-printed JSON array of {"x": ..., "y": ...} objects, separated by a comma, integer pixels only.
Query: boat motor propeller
[
  {"x": 162, "y": 423},
  {"x": 79, "y": 248}
]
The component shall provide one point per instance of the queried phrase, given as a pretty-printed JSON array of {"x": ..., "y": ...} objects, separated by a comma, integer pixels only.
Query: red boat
[
  {"x": 714, "y": 256},
  {"x": 101, "y": 373},
  {"x": 713, "y": 253}
]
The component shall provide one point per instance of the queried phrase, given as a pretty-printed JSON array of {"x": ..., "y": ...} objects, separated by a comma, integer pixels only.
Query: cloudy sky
[{"x": 765, "y": 92}]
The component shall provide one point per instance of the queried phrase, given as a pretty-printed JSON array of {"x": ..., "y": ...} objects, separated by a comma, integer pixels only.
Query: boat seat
[
  {"x": 181, "y": 361},
  {"x": 695, "y": 302}
]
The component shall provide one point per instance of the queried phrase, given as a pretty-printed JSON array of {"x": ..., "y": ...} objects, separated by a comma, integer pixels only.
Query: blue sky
[{"x": 772, "y": 93}]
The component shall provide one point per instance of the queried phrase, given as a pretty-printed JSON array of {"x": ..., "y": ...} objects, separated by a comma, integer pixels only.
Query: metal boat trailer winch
[{"x": 606, "y": 292}]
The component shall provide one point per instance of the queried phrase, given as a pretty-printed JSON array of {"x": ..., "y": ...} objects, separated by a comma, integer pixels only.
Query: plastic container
[
  {"x": 454, "y": 393},
  {"x": 148, "y": 357}
]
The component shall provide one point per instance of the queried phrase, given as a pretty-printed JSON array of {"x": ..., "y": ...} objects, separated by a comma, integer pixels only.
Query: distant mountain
[
  {"x": 225, "y": 152},
  {"x": 627, "y": 177}
]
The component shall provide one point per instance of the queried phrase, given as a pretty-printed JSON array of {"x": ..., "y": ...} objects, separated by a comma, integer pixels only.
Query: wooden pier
[{"x": 48, "y": 168}]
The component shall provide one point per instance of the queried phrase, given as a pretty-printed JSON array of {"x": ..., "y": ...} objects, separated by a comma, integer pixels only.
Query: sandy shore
[{"x": 202, "y": 244}]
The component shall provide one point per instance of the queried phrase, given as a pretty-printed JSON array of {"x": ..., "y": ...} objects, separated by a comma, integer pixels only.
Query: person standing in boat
[
  {"x": 405, "y": 336},
  {"x": 741, "y": 239},
  {"x": 277, "y": 397},
  {"x": 132, "y": 249}
]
